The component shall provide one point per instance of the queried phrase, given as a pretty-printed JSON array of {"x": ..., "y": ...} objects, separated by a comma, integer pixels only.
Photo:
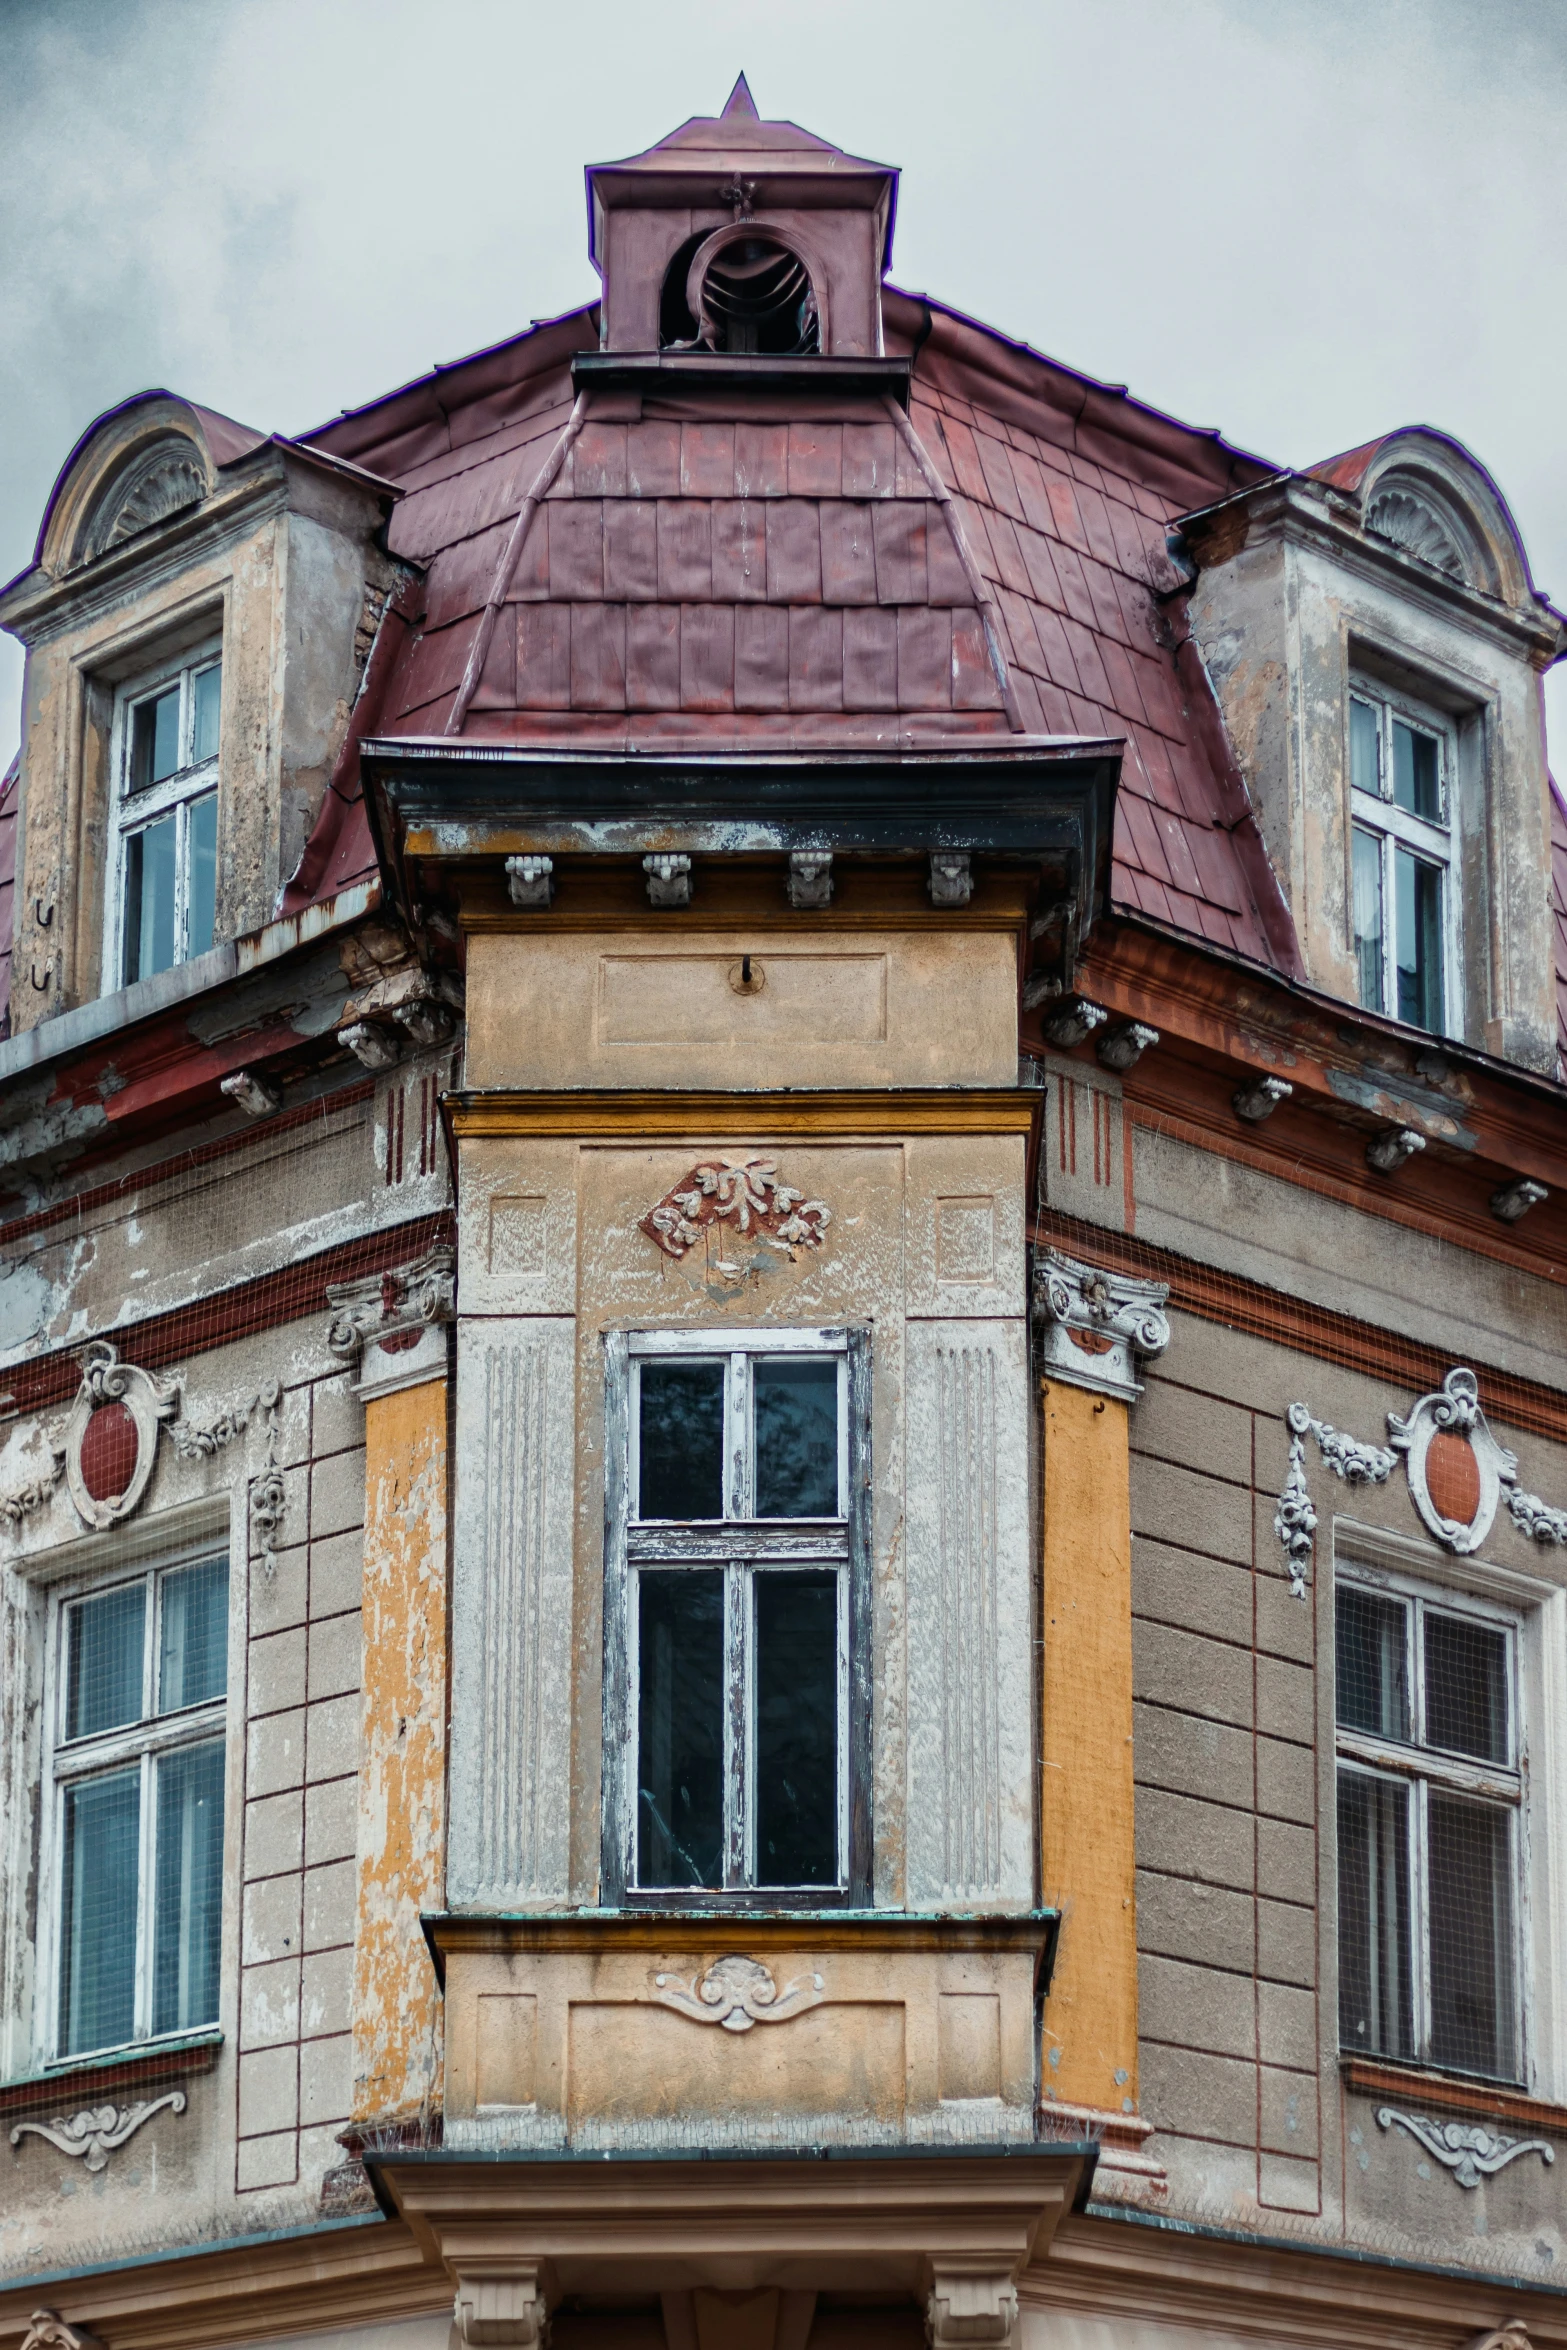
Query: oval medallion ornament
[
  {"x": 111, "y": 1442},
  {"x": 1455, "y": 1466},
  {"x": 111, "y": 1438}
]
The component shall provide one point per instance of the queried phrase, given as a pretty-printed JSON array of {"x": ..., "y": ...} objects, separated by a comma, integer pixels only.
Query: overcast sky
[{"x": 1302, "y": 221}]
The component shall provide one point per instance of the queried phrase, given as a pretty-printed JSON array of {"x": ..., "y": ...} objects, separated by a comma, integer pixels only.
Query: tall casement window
[
  {"x": 1404, "y": 903},
  {"x": 736, "y": 1593},
  {"x": 163, "y": 897},
  {"x": 140, "y": 1676},
  {"x": 1429, "y": 1799}
]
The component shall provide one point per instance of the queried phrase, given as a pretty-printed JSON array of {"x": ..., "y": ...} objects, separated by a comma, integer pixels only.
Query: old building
[{"x": 784, "y": 1507}]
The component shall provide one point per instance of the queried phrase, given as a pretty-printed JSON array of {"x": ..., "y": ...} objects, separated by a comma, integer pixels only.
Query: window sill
[
  {"x": 1453, "y": 2092},
  {"x": 105, "y": 2073}
]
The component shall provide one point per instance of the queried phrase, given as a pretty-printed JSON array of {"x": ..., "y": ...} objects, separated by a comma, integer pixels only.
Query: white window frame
[
  {"x": 1434, "y": 843},
  {"x": 133, "y": 812},
  {"x": 69, "y": 1761},
  {"x": 743, "y": 1546},
  {"x": 1535, "y": 1612}
]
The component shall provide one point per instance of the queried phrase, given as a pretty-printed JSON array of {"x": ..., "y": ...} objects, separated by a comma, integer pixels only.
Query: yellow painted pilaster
[
  {"x": 1087, "y": 1824},
  {"x": 402, "y": 1778}
]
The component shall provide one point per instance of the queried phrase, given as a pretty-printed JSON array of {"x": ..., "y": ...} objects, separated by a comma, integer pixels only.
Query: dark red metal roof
[{"x": 772, "y": 568}]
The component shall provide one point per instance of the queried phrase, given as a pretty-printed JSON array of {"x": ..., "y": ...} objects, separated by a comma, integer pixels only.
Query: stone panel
[
  {"x": 512, "y": 1613},
  {"x": 1182, "y": 1751},
  {"x": 1197, "y": 2007},
  {"x": 1182, "y": 1918},
  {"x": 1197, "y": 1676},
  {"x": 970, "y": 1697}
]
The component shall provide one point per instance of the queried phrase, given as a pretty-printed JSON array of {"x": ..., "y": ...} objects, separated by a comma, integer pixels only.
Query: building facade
[{"x": 784, "y": 1492}]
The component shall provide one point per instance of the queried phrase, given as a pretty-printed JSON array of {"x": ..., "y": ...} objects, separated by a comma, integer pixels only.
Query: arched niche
[
  {"x": 1427, "y": 496},
  {"x": 746, "y": 288}
]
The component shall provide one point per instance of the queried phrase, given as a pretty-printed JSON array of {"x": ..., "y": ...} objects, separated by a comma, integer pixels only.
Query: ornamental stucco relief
[{"x": 740, "y": 1195}]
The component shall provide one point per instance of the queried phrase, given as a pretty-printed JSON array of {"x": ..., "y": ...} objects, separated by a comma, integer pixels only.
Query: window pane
[
  {"x": 1374, "y": 2004},
  {"x": 189, "y": 1912},
  {"x": 1471, "y": 1936},
  {"x": 1466, "y": 1689},
  {"x": 1365, "y": 764},
  {"x": 796, "y": 1406},
  {"x": 155, "y": 739},
  {"x": 193, "y": 1642},
  {"x": 1419, "y": 890},
  {"x": 1417, "y": 782},
  {"x": 98, "y": 1906},
  {"x": 1371, "y": 1669},
  {"x": 1368, "y": 917},
  {"x": 149, "y": 899},
  {"x": 796, "y": 1729},
  {"x": 681, "y": 1439},
  {"x": 103, "y": 1673},
  {"x": 680, "y": 1730},
  {"x": 202, "y": 879},
  {"x": 207, "y": 694}
]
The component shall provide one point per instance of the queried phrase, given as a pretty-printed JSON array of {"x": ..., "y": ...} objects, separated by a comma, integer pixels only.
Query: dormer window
[
  {"x": 1404, "y": 904},
  {"x": 163, "y": 895}
]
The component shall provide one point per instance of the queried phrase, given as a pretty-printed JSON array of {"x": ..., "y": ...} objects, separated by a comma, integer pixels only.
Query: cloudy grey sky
[{"x": 1303, "y": 221}]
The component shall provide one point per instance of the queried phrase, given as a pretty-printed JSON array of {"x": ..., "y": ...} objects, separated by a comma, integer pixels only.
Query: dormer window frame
[
  {"x": 1398, "y": 852},
  {"x": 144, "y": 805}
]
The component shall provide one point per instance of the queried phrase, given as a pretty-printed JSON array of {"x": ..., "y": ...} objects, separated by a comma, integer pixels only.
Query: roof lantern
[{"x": 739, "y": 237}]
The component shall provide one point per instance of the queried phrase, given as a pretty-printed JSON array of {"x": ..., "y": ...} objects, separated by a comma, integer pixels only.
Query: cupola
[{"x": 737, "y": 237}]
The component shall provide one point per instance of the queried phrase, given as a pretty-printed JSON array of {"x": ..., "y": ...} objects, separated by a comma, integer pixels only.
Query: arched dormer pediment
[
  {"x": 1426, "y": 495},
  {"x": 136, "y": 468}
]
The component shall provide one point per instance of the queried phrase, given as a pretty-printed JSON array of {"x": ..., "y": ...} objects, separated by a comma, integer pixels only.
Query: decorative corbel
[
  {"x": 256, "y": 1096},
  {"x": 372, "y": 1046},
  {"x": 1098, "y": 1328},
  {"x": 1386, "y": 1152},
  {"x": 951, "y": 877},
  {"x": 971, "y": 2309},
  {"x": 1261, "y": 1098},
  {"x": 1121, "y": 1048},
  {"x": 530, "y": 881},
  {"x": 47, "y": 2330},
  {"x": 668, "y": 880},
  {"x": 389, "y": 1326},
  {"x": 1514, "y": 1200},
  {"x": 1074, "y": 1020},
  {"x": 810, "y": 880},
  {"x": 507, "y": 2312}
]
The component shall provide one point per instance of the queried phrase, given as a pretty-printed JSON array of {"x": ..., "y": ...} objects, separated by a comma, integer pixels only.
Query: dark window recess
[
  {"x": 1373, "y": 1689},
  {"x": 796, "y": 1406},
  {"x": 155, "y": 739},
  {"x": 680, "y": 1731},
  {"x": 796, "y": 1729},
  {"x": 1471, "y": 1935},
  {"x": 1466, "y": 1688},
  {"x": 682, "y": 1440},
  {"x": 1375, "y": 2002}
]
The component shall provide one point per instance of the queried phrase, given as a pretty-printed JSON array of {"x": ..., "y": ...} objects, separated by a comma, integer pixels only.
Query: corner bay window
[
  {"x": 1401, "y": 849},
  {"x": 731, "y": 1572},
  {"x": 1429, "y": 1793},
  {"x": 141, "y": 1671},
  {"x": 166, "y": 813}
]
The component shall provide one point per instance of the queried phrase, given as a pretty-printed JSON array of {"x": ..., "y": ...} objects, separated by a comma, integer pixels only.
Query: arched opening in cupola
[{"x": 741, "y": 291}]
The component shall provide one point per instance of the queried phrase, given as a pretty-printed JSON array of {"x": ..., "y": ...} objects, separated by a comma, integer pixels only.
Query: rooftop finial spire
[{"x": 741, "y": 103}]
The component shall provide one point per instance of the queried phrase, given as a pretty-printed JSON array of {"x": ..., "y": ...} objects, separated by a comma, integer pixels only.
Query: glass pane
[
  {"x": 98, "y": 1912},
  {"x": 1417, "y": 775},
  {"x": 681, "y": 1440},
  {"x": 1368, "y": 917},
  {"x": 155, "y": 739},
  {"x": 207, "y": 695},
  {"x": 1466, "y": 1689},
  {"x": 796, "y": 1408},
  {"x": 796, "y": 1729},
  {"x": 189, "y": 1911},
  {"x": 193, "y": 1639},
  {"x": 1419, "y": 890},
  {"x": 149, "y": 899},
  {"x": 1371, "y": 1671},
  {"x": 1471, "y": 1936},
  {"x": 680, "y": 1729},
  {"x": 1374, "y": 2004},
  {"x": 1365, "y": 763},
  {"x": 104, "y": 1655},
  {"x": 202, "y": 881}
]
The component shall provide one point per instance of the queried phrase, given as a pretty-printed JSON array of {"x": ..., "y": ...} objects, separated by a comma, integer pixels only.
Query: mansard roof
[{"x": 779, "y": 569}]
